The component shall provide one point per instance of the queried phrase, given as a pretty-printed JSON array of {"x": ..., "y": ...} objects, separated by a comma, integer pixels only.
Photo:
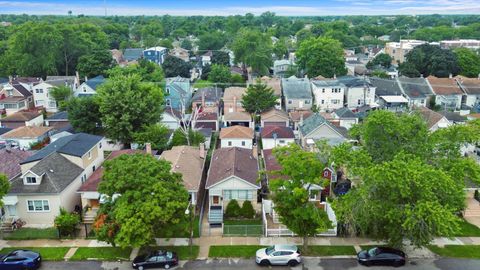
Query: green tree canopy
[
  {"x": 211, "y": 41},
  {"x": 258, "y": 98},
  {"x": 469, "y": 62},
  {"x": 95, "y": 63},
  {"x": 195, "y": 138},
  {"x": 61, "y": 94},
  {"x": 84, "y": 115},
  {"x": 220, "y": 74},
  {"x": 156, "y": 134},
  {"x": 254, "y": 49},
  {"x": 174, "y": 66},
  {"x": 382, "y": 59},
  {"x": 148, "y": 71},
  {"x": 220, "y": 58},
  {"x": 4, "y": 187},
  {"x": 429, "y": 60},
  {"x": 321, "y": 56}
]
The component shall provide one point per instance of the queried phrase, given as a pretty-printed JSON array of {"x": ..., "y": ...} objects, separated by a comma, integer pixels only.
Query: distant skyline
[{"x": 226, "y": 7}]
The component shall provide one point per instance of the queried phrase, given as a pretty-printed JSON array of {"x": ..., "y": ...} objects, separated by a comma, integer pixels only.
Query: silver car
[{"x": 278, "y": 255}]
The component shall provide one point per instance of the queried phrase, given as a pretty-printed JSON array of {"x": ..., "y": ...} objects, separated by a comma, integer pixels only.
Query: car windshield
[
  {"x": 269, "y": 250},
  {"x": 169, "y": 255},
  {"x": 373, "y": 252}
]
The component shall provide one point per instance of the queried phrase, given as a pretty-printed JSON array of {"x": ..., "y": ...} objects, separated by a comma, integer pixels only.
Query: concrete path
[{"x": 70, "y": 253}]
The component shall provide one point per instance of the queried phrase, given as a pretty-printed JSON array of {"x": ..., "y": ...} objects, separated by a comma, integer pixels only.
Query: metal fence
[{"x": 243, "y": 230}]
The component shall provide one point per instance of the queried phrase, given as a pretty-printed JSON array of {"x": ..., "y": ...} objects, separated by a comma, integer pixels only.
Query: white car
[{"x": 278, "y": 255}]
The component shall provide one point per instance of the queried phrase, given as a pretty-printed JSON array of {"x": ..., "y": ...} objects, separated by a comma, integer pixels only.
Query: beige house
[
  {"x": 237, "y": 136},
  {"x": 24, "y": 137},
  {"x": 398, "y": 50},
  {"x": 276, "y": 85},
  {"x": 232, "y": 99},
  {"x": 275, "y": 117},
  {"x": 238, "y": 119},
  {"x": 180, "y": 53},
  {"x": 22, "y": 118}
]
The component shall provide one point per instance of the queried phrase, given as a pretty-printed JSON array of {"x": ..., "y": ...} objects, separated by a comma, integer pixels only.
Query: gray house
[
  {"x": 297, "y": 93},
  {"x": 316, "y": 128}
]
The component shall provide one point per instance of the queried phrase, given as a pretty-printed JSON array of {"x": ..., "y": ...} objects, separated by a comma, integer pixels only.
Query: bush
[
  {"x": 247, "y": 210},
  {"x": 233, "y": 209},
  {"x": 66, "y": 223},
  {"x": 476, "y": 195}
]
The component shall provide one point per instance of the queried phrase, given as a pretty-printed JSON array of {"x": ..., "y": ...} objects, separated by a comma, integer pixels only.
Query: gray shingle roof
[
  {"x": 75, "y": 145},
  {"x": 296, "y": 88},
  {"x": 4, "y": 130},
  {"x": 352, "y": 81},
  {"x": 95, "y": 82},
  {"x": 345, "y": 113},
  {"x": 22, "y": 90},
  {"x": 415, "y": 87},
  {"x": 314, "y": 121},
  {"x": 327, "y": 83},
  {"x": 212, "y": 94},
  {"x": 58, "y": 173},
  {"x": 386, "y": 87},
  {"x": 59, "y": 116},
  {"x": 132, "y": 54}
]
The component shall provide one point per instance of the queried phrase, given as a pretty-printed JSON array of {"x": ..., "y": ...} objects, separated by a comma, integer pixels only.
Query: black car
[
  {"x": 382, "y": 256},
  {"x": 20, "y": 260},
  {"x": 154, "y": 259}
]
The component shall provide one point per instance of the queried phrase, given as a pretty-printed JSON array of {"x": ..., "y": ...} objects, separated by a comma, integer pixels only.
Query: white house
[
  {"x": 471, "y": 87},
  {"x": 448, "y": 93},
  {"x": 434, "y": 119},
  {"x": 358, "y": 92},
  {"x": 316, "y": 128},
  {"x": 89, "y": 87},
  {"x": 25, "y": 136},
  {"x": 236, "y": 136},
  {"x": 328, "y": 94},
  {"x": 171, "y": 118},
  {"x": 207, "y": 58},
  {"x": 416, "y": 90},
  {"x": 273, "y": 136},
  {"x": 41, "y": 91},
  {"x": 345, "y": 117}
]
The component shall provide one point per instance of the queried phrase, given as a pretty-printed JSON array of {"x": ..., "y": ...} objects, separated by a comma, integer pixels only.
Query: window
[
  {"x": 39, "y": 91},
  {"x": 323, "y": 90},
  {"x": 39, "y": 102},
  {"x": 84, "y": 178},
  {"x": 89, "y": 154},
  {"x": 38, "y": 206},
  {"x": 168, "y": 102},
  {"x": 94, "y": 168},
  {"x": 237, "y": 194},
  {"x": 31, "y": 180},
  {"x": 281, "y": 141},
  {"x": 307, "y": 101},
  {"x": 9, "y": 92},
  {"x": 289, "y": 102},
  {"x": 100, "y": 145},
  {"x": 21, "y": 104},
  {"x": 313, "y": 194},
  {"x": 323, "y": 101},
  {"x": 168, "y": 90},
  {"x": 243, "y": 143},
  {"x": 359, "y": 101},
  {"x": 84, "y": 89},
  {"x": 10, "y": 106},
  {"x": 52, "y": 104},
  {"x": 335, "y": 101},
  {"x": 229, "y": 143}
]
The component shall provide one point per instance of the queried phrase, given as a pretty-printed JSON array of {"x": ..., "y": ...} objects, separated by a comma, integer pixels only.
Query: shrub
[
  {"x": 476, "y": 195},
  {"x": 66, "y": 223},
  {"x": 247, "y": 210},
  {"x": 233, "y": 209}
]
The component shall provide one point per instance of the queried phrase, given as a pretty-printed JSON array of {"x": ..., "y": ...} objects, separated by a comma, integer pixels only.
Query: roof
[
  {"x": 232, "y": 161},
  {"x": 92, "y": 182},
  {"x": 173, "y": 112},
  {"x": 207, "y": 116},
  {"x": 4, "y": 130},
  {"x": 295, "y": 88},
  {"x": 271, "y": 163},
  {"x": 327, "y": 83},
  {"x": 274, "y": 83},
  {"x": 27, "y": 80},
  {"x": 26, "y": 132},
  {"x": 235, "y": 132},
  {"x": 454, "y": 116},
  {"x": 95, "y": 82},
  {"x": 296, "y": 115},
  {"x": 352, "y": 81},
  {"x": 280, "y": 132},
  {"x": 316, "y": 120},
  {"x": 10, "y": 161},
  {"x": 237, "y": 116},
  {"x": 177, "y": 83},
  {"x": 206, "y": 132},
  {"x": 394, "y": 99},
  {"x": 157, "y": 48},
  {"x": 58, "y": 173},
  {"x": 345, "y": 113},
  {"x": 274, "y": 115},
  {"x": 415, "y": 87},
  {"x": 59, "y": 116},
  {"x": 444, "y": 86},
  {"x": 431, "y": 117},
  {"x": 211, "y": 94},
  {"x": 187, "y": 161},
  {"x": 75, "y": 145},
  {"x": 386, "y": 87},
  {"x": 22, "y": 90},
  {"x": 132, "y": 54},
  {"x": 21, "y": 116},
  {"x": 470, "y": 85},
  {"x": 231, "y": 92}
]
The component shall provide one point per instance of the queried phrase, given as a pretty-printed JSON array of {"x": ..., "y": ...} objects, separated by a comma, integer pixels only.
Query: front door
[
  {"x": 215, "y": 200},
  {"x": 12, "y": 210}
]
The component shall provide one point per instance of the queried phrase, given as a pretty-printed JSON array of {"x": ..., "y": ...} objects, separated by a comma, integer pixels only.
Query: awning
[{"x": 10, "y": 200}]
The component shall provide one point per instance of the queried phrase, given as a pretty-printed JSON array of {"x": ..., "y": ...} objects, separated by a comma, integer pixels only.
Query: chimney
[
  {"x": 203, "y": 99},
  {"x": 148, "y": 148},
  {"x": 334, "y": 76},
  {"x": 450, "y": 75},
  {"x": 86, "y": 79},
  {"x": 202, "y": 151},
  {"x": 301, "y": 119},
  {"x": 234, "y": 103}
]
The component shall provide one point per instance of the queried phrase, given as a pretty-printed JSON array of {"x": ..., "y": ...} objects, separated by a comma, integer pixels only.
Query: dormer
[{"x": 30, "y": 178}]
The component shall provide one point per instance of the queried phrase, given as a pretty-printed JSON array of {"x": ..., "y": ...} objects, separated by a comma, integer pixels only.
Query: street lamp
[{"x": 191, "y": 216}]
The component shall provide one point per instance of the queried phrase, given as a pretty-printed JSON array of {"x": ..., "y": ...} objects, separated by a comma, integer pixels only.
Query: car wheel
[
  {"x": 167, "y": 266},
  {"x": 292, "y": 263},
  {"x": 140, "y": 268},
  {"x": 265, "y": 263}
]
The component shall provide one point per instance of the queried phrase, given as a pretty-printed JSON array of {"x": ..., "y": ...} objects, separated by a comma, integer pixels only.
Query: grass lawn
[
  {"x": 48, "y": 253},
  {"x": 233, "y": 251},
  {"x": 181, "y": 230},
  {"x": 102, "y": 253},
  {"x": 243, "y": 222},
  {"x": 329, "y": 251},
  {"x": 183, "y": 252},
  {"x": 457, "y": 251},
  {"x": 242, "y": 230},
  {"x": 31, "y": 233},
  {"x": 468, "y": 229}
]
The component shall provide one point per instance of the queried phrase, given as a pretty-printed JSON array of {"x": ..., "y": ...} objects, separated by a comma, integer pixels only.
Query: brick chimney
[
  {"x": 148, "y": 148},
  {"x": 202, "y": 151},
  {"x": 234, "y": 103}
]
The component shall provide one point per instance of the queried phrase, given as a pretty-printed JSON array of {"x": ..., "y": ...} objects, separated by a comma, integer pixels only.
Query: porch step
[{"x": 215, "y": 216}]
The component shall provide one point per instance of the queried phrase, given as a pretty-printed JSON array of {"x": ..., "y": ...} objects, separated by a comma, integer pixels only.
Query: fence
[{"x": 243, "y": 230}]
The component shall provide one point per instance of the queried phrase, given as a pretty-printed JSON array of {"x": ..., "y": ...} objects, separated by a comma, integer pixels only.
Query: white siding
[
  {"x": 271, "y": 143},
  {"x": 244, "y": 143},
  {"x": 357, "y": 97},
  {"x": 325, "y": 97}
]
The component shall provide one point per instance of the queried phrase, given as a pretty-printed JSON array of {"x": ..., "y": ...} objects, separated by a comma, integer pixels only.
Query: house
[
  {"x": 416, "y": 90},
  {"x": 22, "y": 119},
  {"x": 15, "y": 97},
  {"x": 180, "y": 53},
  {"x": 398, "y": 50},
  {"x": 433, "y": 119},
  {"x": 41, "y": 91},
  {"x": 208, "y": 99},
  {"x": 297, "y": 93},
  {"x": 117, "y": 56},
  {"x": 454, "y": 117},
  {"x": 316, "y": 128},
  {"x": 24, "y": 137},
  {"x": 89, "y": 87},
  {"x": 344, "y": 117},
  {"x": 328, "y": 94},
  {"x": 238, "y": 119},
  {"x": 233, "y": 174},
  {"x": 232, "y": 99},
  {"x": 10, "y": 162},
  {"x": 448, "y": 93},
  {"x": 206, "y": 120},
  {"x": 155, "y": 54},
  {"x": 280, "y": 67},
  {"x": 471, "y": 87},
  {"x": 171, "y": 118},
  {"x": 237, "y": 136},
  {"x": 358, "y": 92},
  {"x": 132, "y": 54},
  {"x": 276, "y": 85},
  {"x": 273, "y": 136},
  {"x": 58, "y": 121},
  {"x": 190, "y": 162},
  {"x": 178, "y": 93},
  {"x": 297, "y": 118},
  {"x": 389, "y": 94},
  {"x": 274, "y": 117},
  {"x": 393, "y": 103},
  {"x": 207, "y": 58},
  {"x": 207, "y": 134}
]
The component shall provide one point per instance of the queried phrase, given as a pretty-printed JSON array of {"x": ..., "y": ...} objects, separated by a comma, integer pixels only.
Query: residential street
[{"x": 310, "y": 264}]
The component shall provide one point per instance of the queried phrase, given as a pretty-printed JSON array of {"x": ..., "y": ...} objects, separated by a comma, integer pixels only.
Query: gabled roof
[
  {"x": 415, "y": 87},
  {"x": 21, "y": 116},
  {"x": 95, "y": 82},
  {"x": 26, "y": 132},
  {"x": 231, "y": 92},
  {"x": 177, "y": 83},
  {"x": 316, "y": 120},
  {"x": 75, "y": 145},
  {"x": 386, "y": 87},
  {"x": 173, "y": 112},
  {"x": 236, "y": 132},
  {"x": 58, "y": 173},
  {"x": 207, "y": 116},
  {"x": 237, "y": 116},
  {"x": 296, "y": 115},
  {"x": 296, "y": 88},
  {"x": 59, "y": 116},
  {"x": 352, "y": 81},
  {"x": 345, "y": 113},
  {"x": 22, "y": 90},
  {"x": 10, "y": 161},
  {"x": 327, "y": 83},
  {"x": 274, "y": 83},
  {"x": 280, "y": 132},
  {"x": 132, "y": 54},
  {"x": 187, "y": 161},
  {"x": 431, "y": 117},
  {"x": 470, "y": 85},
  {"x": 444, "y": 86},
  {"x": 274, "y": 115},
  {"x": 454, "y": 117},
  {"x": 211, "y": 94},
  {"x": 232, "y": 161}
]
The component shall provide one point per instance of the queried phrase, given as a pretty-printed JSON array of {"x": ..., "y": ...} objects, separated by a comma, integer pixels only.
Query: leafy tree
[
  {"x": 173, "y": 66},
  {"x": 280, "y": 49},
  {"x": 409, "y": 70},
  {"x": 84, "y": 115},
  {"x": 233, "y": 209},
  {"x": 167, "y": 43},
  {"x": 211, "y": 41},
  {"x": 95, "y": 64},
  {"x": 321, "y": 56},
  {"x": 220, "y": 58},
  {"x": 61, "y": 94},
  {"x": 206, "y": 71},
  {"x": 258, "y": 98},
  {"x": 382, "y": 59},
  {"x": 155, "y": 134},
  {"x": 66, "y": 223},
  {"x": 237, "y": 79},
  {"x": 186, "y": 44},
  {"x": 128, "y": 105},
  {"x": 254, "y": 49},
  {"x": 195, "y": 138},
  {"x": 148, "y": 71},
  {"x": 202, "y": 84},
  {"x": 151, "y": 199},
  {"x": 429, "y": 60},
  {"x": 4, "y": 187},
  {"x": 469, "y": 62},
  {"x": 380, "y": 74},
  {"x": 219, "y": 74},
  {"x": 291, "y": 197},
  {"x": 247, "y": 210}
]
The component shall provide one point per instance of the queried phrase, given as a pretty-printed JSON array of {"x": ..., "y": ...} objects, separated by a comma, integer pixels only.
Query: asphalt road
[{"x": 309, "y": 264}]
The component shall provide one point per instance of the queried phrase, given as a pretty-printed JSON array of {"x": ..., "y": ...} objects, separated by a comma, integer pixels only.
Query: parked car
[
  {"x": 382, "y": 256},
  {"x": 157, "y": 258},
  {"x": 20, "y": 260},
  {"x": 278, "y": 255}
]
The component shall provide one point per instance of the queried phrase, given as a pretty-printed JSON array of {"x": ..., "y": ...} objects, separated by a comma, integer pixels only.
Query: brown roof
[
  {"x": 232, "y": 161},
  {"x": 474, "y": 115},
  {"x": 470, "y": 85},
  {"x": 295, "y": 116},
  {"x": 173, "y": 112},
  {"x": 236, "y": 132},
  {"x": 10, "y": 161},
  {"x": 232, "y": 92},
  {"x": 444, "y": 86},
  {"x": 21, "y": 116},
  {"x": 187, "y": 161},
  {"x": 12, "y": 99},
  {"x": 26, "y": 132},
  {"x": 282, "y": 132},
  {"x": 274, "y": 83},
  {"x": 237, "y": 116},
  {"x": 431, "y": 117},
  {"x": 92, "y": 182},
  {"x": 274, "y": 115},
  {"x": 213, "y": 116},
  {"x": 272, "y": 165}
]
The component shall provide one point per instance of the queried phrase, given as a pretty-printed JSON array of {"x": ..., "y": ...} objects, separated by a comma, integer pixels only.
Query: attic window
[{"x": 31, "y": 180}]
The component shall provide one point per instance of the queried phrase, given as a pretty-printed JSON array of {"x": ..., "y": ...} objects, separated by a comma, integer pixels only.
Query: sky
[{"x": 227, "y": 7}]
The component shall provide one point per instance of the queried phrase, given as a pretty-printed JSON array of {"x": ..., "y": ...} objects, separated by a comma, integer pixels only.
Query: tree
[
  {"x": 66, "y": 223},
  {"x": 382, "y": 59},
  {"x": 194, "y": 138},
  {"x": 469, "y": 62},
  {"x": 4, "y": 187},
  {"x": 211, "y": 41},
  {"x": 258, "y": 98},
  {"x": 220, "y": 58},
  {"x": 95, "y": 64},
  {"x": 186, "y": 44},
  {"x": 429, "y": 60},
  {"x": 321, "y": 56},
  {"x": 84, "y": 115},
  {"x": 61, "y": 94},
  {"x": 156, "y": 134},
  {"x": 380, "y": 74},
  {"x": 220, "y": 74},
  {"x": 151, "y": 199},
  {"x": 173, "y": 66},
  {"x": 128, "y": 105},
  {"x": 291, "y": 197},
  {"x": 281, "y": 48},
  {"x": 148, "y": 71},
  {"x": 254, "y": 49}
]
